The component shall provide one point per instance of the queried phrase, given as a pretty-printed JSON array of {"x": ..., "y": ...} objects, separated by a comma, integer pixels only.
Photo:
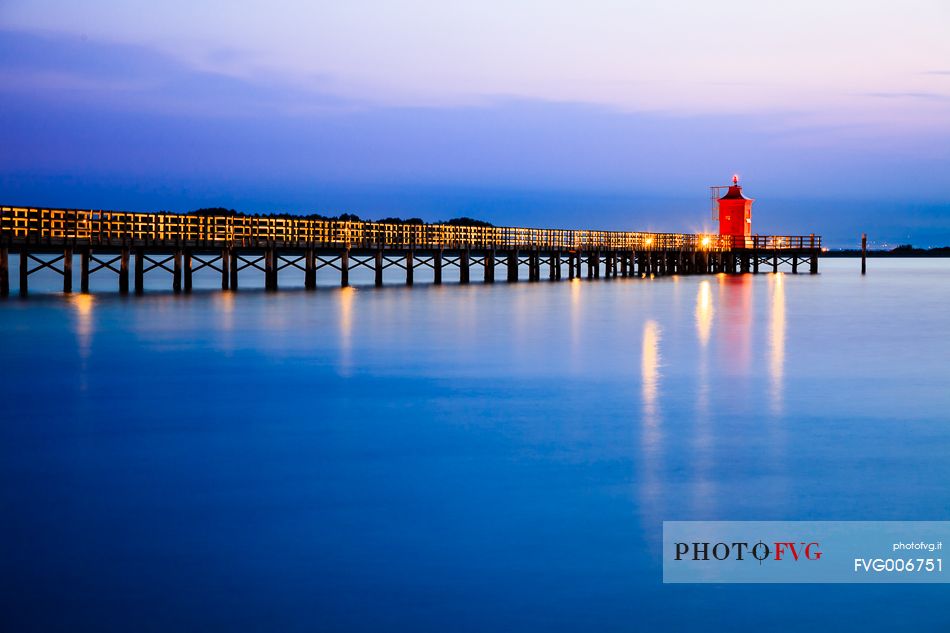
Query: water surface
[{"x": 452, "y": 458}]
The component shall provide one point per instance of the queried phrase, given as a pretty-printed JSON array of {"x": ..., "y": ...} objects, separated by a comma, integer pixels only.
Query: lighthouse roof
[{"x": 734, "y": 193}]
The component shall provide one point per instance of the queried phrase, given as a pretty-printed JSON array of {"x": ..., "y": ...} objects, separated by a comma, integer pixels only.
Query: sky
[{"x": 601, "y": 114}]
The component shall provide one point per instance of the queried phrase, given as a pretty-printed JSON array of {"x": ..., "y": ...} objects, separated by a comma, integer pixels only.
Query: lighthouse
[{"x": 735, "y": 214}]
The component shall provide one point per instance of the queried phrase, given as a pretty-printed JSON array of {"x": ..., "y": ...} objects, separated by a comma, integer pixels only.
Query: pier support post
[
  {"x": 624, "y": 271},
  {"x": 124, "y": 270},
  {"x": 270, "y": 269},
  {"x": 176, "y": 271},
  {"x": 755, "y": 262},
  {"x": 225, "y": 262},
  {"x": 490, "y": 267},
  {"x": 463, "y": 267},
  {"x": 410, "y": 257},
  {"x": 84, "y": 270},
  {"x": 344, "y": 268},
  {"x": 437, "y": 267},
  {"x": 533, "y": 266},
  {"x": 24, "y": 272},
  {"x": 864, "y": 253},
  {"x": 774, "y": 262},
  {"x": 235, "y": 265},
  {"x": 310, "y": 270},
  {"x": 795, "y": 264},
  {"x": 4, "y": 271},
  {"x": 139, "y": 270},
  {"x": 814, "y": 262},
  {"x": 512, "y": 266},
  {"x": 68, "y": 269},
  {"x": 378, "y": 268},
  {"x": 554, "y": 266},
  {"x": 188, "y": 270}
]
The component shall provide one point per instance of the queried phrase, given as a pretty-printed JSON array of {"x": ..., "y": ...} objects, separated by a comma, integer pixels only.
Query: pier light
[
  {"x": 705, "y": 241},
  {"x": 649, "y": 241}
]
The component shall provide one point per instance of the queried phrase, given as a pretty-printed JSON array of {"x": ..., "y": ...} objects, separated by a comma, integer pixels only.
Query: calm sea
[{"x": 462, "y": 458}]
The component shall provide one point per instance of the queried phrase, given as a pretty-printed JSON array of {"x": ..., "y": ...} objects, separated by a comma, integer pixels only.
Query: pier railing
[{"x": 111, "y": 228}]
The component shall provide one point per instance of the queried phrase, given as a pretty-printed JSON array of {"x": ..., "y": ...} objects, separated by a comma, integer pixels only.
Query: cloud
[
  {"x": 130, "y": 77},
  {"x": 926, "y": 96}
]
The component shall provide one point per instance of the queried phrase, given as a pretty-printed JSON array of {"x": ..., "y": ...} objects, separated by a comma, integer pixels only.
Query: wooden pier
[{"x": 179, "y": 246}]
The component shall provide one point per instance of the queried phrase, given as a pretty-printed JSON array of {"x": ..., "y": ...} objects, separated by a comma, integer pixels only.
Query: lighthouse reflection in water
[{"x": 482, "y": 457}]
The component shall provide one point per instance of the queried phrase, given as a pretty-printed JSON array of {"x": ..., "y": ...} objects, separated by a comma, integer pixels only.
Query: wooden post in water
[
  {"x": 24, "y": 271},
  {"x": 463, "y": 267},
  {"x": 68, "y": 269},
  {"x": 124, "y": 270},
  {"x": 512, "y": 266},
  {"x": 344, "y": 268},
  {"x": 409, "y": 261},
  {"x": 235, "y": 266},
  {"x": 378, "y": 268},
  {"x": 437, "y": 267},
  {"x": 188, "y": 270},
  {"x": 490, "y": 267},
  {"x": 84, "y": 270},
  {"x": 176, "y": 271},
  {"x": 4, "y": 271},
  {"x": 864, "y": 253},
  {"x": 225, "y": 260},
  {"x": 139, "y": 270},
  {"x": 268, "y": 269}
]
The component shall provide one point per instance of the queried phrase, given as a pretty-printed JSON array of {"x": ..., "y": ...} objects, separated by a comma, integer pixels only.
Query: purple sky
[{"x": 599, "y": 114}]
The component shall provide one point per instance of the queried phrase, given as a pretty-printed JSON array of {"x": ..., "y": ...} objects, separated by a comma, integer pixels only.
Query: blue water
[{"x": 481, "y": 458}]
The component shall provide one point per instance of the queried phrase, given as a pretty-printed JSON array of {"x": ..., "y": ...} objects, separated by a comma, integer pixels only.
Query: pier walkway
[{"x": 179, "y": 246}]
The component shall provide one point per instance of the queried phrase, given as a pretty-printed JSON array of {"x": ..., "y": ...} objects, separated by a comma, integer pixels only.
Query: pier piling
[
  {"x": 84, "y": 270},
  {"x": 463, "y": 266},
  {"x": 864, "y": 253},
  {"x": 68, "y": 269},
  {"x": 4, "y": 271}
]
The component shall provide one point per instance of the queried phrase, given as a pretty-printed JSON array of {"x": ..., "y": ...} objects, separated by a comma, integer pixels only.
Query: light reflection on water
[
  {"x": 777, "y": 340},
  {"x": 353, "y": 453}
]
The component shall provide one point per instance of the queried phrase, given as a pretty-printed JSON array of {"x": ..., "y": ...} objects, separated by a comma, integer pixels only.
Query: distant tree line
[{"x": 343, "y": 217}]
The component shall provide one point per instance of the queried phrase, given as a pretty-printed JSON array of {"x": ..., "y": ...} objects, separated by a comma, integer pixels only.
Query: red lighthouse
[{"x": 735, "y": 214}]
